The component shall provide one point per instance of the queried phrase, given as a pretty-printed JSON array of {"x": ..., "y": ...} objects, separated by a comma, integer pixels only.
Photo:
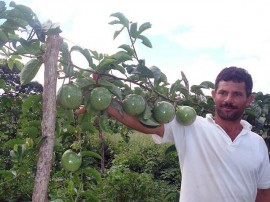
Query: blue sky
[{"x": 196, "y": 37}]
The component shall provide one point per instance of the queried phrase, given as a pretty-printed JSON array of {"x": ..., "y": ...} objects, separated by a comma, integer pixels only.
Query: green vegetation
[{"x": 140, "y": 171}]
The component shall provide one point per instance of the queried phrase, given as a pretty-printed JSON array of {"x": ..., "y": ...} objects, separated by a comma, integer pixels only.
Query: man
[{"x": 221, "y": 159}]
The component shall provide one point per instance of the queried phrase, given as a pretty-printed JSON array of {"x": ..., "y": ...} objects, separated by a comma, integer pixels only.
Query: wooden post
[{"x": 44, "y": 164}]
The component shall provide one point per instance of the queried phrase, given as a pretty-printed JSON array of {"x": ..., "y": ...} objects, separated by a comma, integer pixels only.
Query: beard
[{"x": 234, "y": 115}]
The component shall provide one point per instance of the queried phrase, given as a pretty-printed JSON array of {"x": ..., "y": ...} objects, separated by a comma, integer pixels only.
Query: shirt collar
[{"x": 245, "y": 124}]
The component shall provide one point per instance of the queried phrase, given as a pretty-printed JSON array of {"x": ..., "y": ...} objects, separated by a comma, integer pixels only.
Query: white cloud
[{"x": 240, "y": 27}]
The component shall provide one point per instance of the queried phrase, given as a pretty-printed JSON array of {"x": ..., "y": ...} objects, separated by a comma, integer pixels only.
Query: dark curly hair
[{"x": 235, "y": 74}]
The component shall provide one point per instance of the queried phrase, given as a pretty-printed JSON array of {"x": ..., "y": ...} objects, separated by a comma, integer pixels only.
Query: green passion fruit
[
  {"x": 71, "y": 161},
  {"x": 185, "y": 115},
  {"x": 163, "y": 112},
  {"x": 69, "y": 96},
  {"x": 100, "y": 98},
  {"x": 134, "y": 104}
]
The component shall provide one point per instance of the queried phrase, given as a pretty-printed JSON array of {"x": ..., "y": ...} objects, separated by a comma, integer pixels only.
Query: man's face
[{"x": 231, "y": 100}]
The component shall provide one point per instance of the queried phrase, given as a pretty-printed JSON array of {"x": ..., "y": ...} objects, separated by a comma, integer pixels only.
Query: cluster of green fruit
[
  {"x": 70, "y": 96},
  {"x": 162, "y": 112}
]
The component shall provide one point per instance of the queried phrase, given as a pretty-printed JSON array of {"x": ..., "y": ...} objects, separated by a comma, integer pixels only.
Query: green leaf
[
  {"x": 145, "y": 41},
  {"x": 3, "y": 35},
  {"x": 10, "y": 143},
  {"x": 117, "y": 32},
  {"x": 26, "y": 11},
  {"x": 31, "y": 131},
  {"x": 156, "y": 71},
  {"x": 163, "y": 78},
  {"x": 6, "y": 173},
  {"x": 144, "y": 27},
  {"x": 71, "y": 190},
  {"x": 111, "y": 87},
  {"x": 249, "y": 112},
  {"x": 2, "y": 83},
  {"x": 114, "y": 22},
  {"x": 121, "y": 56},
  {"x": 90, "y": 153},
  {"x": 175, "y": 195},
  {"x": 65, "y": 59},
  {"x": 30, "y": 70},
  {"x": 90, "y": 195},
  {"x": 147, "y": 112},
  {"x": 207, "y": 85},
  {"x": 123, "y": 20},
  {"x": 196, "y": 89},
  {"x": 133, "y": 30},
  {"x": 29, "y": 102},
  {"x": 151, "y": 123},
  {"x": 85, "y": 53},
  {"x": 88, "y": 106},
  {"x": 12, "y": 36},
  {"x": 143, "y": 71},
  {"x": 95, "y": 54},
  {"x": 170, "y": 149},
  {"x": 110, "y": 63},
  {"x": 117, "y": 105},
  {"x": 127, "y": 48},
  {"x": 10, "y": 63},
  {"x": 85, "y": 82},
  {"x": 2, "y": 6},
  {"x": 119, "y": 68},
  {"x": 93, "y": 172},
  {"x": 29, "y": 47},
  {"x": 105, "y": 62},
  {"x": 85, "y": 122},
  {"x": 177, "y": 86},
  {"x": 19, "y": 64}
]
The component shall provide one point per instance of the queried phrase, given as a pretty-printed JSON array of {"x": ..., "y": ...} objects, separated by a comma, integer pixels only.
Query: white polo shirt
[{"x": 214, "y": 168}]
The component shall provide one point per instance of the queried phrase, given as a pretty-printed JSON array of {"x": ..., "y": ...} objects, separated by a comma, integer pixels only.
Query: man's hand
[{"x": 263, "y": 195}]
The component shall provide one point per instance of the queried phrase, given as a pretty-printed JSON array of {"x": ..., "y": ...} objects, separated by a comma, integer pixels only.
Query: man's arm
[
  {"x": 263, "y": 195},
  {"x": 129, "y": 121},
  {"x": 134, "y": 123}
]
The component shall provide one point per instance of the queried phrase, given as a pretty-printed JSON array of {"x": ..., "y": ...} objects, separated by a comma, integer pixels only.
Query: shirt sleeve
[
  {"x": 167, "y": 136},
  {"x": 173, "y": 132},
  {"x": 264, "y": 170}
]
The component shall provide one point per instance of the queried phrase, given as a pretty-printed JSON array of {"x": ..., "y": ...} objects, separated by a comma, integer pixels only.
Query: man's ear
[
  {"x": 249, "y": 100},
  {"x": 213, "y": 92}
]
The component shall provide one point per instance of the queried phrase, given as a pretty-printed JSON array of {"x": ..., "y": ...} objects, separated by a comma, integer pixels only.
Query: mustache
[{"x": 228, "y": 105}]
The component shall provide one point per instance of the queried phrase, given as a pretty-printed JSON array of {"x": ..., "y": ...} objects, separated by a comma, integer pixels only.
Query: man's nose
[{"x": 229, "y": 98}]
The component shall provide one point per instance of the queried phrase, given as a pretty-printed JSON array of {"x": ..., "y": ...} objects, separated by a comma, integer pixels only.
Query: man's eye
[
  {"x": 222, "y": 92},
  {"x": 238, "y": 94}
]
